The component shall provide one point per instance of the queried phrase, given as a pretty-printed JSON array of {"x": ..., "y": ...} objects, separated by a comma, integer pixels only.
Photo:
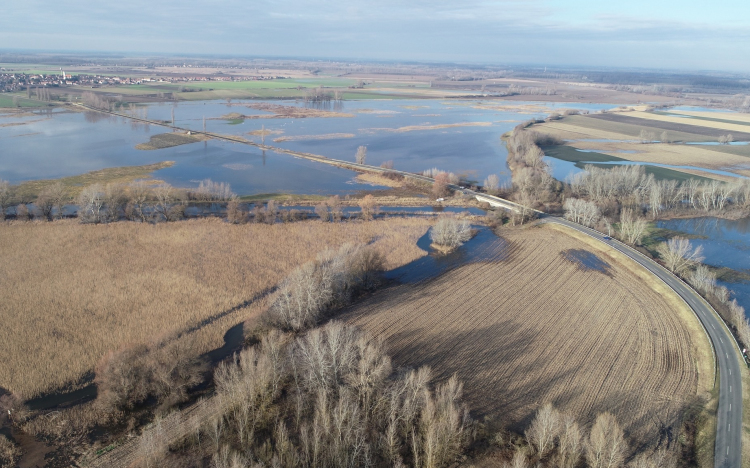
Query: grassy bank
[{"x": 28, "y": 191}]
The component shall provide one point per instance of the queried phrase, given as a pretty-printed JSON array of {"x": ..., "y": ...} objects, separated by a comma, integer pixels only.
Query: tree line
[{"x": 147, "y": 202}]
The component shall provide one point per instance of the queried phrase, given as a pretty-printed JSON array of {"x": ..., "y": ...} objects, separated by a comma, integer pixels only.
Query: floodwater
[
  {"x": 57, "y": 144},
  {"x": 562, "y": 170},
  {"x": 726, "y": 243},
  {"x": 485, "y": 246}
]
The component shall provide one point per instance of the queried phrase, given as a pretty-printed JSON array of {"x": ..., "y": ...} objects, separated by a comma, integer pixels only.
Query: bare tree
[
  {"x": 325, "y": 283},
  {"x": 570, "y": 443},
  {"x": 138, "y": 194},
  {"x": 519, "y": 460},
  {"x": 631, "y": 227},
  {"x": 361, "y": 155},
  {"x": 581, "y": 211},
  {"x": 334, "y": 204},
  {"x": 440, "y": 185},
  {"x": 606, "y": 446},
  {"x": 678, "y": 254},
  {"x": 646, "y": 136},
  {"x": 271, "y": 212},
  {"x": 387, "y": 164},
  {"x": 703, "y": 279},
  {"x": 367, "y": 204},
  {"x": 235, "y": 215},
  {"x": 115, "y": 200},
  {"x": 168, "y": 206},
  {"x": 726, "y": 139},
  {"x": 50, "y": 201},
  {"x": 209, "y": 190},
  {"x": 90, "y": 204},
  {"x": 321, "y": 209},
  {"x": 492, "y": 184},
  {"x": 450, "y": 232},
  {"x": 665, "y": 137},
  {"x": 544, "y": 429},
  {"x": 22, "y": 212}
]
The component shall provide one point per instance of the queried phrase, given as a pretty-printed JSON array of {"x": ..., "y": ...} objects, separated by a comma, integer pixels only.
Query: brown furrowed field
[
  {"x": 556, "y": 320},
  {"x": 72, "y": 292},
  {"x": 578, "y": 131}
]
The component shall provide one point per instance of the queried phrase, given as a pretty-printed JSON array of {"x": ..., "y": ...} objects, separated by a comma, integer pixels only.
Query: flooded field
[
  {"x": 462, "y": 137},
  {"x": 726, "y": 243}
]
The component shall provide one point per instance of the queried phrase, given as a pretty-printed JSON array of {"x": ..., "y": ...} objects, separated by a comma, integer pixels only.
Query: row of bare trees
[
  {"x": 330, "y": 398},
  {"x": 683, "y": 259},
  {"x": 557, "y": 438},
  {"x": 533, "y": 184},
  {"x": 96, "y": 101},
  {"x": 327, "y": 282},
  {"x": 137, "y": 201},
  {"x": 630, "y": 186}
]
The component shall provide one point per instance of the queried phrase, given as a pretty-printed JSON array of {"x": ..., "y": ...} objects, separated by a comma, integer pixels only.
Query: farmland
[
  {"x": 550, "y": 318},
  {"x": 617, "y": 136},
  {"x": 74, "y": 292}
]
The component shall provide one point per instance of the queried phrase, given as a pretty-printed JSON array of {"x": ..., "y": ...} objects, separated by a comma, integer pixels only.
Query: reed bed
[{"x": 73, "y": 292}]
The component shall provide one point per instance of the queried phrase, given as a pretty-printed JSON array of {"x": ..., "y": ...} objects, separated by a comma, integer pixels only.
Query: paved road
[{"x": 728, "y": 449}]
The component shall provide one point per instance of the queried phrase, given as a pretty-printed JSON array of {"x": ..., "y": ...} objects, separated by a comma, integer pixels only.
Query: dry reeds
[{"x": 74, "y": 292}]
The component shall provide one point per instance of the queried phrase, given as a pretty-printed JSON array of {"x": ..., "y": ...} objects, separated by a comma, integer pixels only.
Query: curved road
[{"x": 728, "y": 448}]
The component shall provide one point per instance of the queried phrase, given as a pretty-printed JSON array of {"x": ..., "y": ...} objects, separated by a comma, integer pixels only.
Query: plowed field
[{"x": 555, "y": 318}]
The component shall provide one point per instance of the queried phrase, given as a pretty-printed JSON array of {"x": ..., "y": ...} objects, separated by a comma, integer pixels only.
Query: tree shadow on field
[{"x": 503, "y": 384}]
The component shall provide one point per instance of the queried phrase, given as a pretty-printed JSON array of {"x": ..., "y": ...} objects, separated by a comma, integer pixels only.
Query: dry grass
[
  {"x": 265, "y": 132},
  {"x": 535, "y": 327},
  {"x": 374, "y": 178},
  {"x": 168, "y": 140},
  {"x": 28, "y": 191},
  {"x": 72, "y": 292},
  {"x": 709, "y": 157}
]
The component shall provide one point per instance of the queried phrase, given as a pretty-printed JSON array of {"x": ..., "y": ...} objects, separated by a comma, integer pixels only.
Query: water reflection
[
  {"x": 485, "y": 246},
  {"x": 726, "y": 243}
]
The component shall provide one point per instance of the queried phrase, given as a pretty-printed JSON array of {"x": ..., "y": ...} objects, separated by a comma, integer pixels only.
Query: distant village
[{"x": 14, "y": 82}]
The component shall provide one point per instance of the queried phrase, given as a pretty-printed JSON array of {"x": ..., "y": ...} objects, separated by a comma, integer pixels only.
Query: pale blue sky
[{"x": 629, "y": 33}]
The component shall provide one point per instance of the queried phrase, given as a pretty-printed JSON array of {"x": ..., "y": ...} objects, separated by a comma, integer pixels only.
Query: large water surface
[{"x": 59, "y": 143}]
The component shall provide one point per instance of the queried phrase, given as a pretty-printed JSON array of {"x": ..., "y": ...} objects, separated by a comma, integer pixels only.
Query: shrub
[
  {"x": 9, "y": 452},
  {"x": 450, "y": 232},
  {"x": 164, "y": 370},
  {"x": 317, "y": 286}
]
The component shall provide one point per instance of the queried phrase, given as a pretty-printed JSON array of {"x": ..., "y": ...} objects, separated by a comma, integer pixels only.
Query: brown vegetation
[
  {"x": 168, "y": 140},
  {"x": 325, "y": 398},
  {"x": 75, "y": 292},
  {"x": 524, "y": 330},
  {"x": 449, "y": 233},
  {"x": 291, "y": 112}
]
